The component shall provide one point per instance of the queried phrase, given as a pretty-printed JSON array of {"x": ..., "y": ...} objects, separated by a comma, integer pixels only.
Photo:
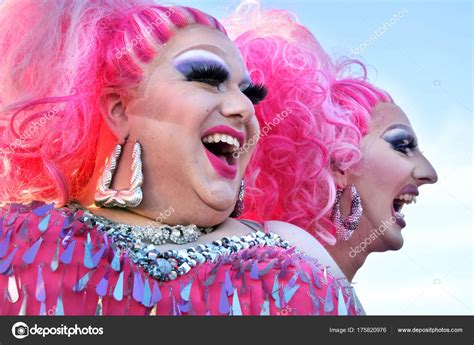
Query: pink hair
[
  {"x": 58, "y": 59},
  {"x": 289, "y": 177}
]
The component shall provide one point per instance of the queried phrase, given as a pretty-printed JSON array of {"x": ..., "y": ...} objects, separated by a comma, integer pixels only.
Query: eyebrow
[
  {"x": 201, "y": 52},
  {"x": 396, "y": 126},
  {"x": 187, "y": 64}
]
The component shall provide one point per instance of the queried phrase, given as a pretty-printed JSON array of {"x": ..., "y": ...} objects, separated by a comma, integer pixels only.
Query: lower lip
[
  {"x": 221, "y": 167},
  {"x": 398, "y": 220}
]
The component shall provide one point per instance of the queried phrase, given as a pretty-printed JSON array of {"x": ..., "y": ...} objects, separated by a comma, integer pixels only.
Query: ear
[
  {"x": 115, "y": 116},
  {"x": 340, "y": 176}
]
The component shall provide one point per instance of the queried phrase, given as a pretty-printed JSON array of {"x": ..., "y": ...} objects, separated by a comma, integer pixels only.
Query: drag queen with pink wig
[
  {"x": 119, "y": 121},
  {"x": 336, "y": 156}
]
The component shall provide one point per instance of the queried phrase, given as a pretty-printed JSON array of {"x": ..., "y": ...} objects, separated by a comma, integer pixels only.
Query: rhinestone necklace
[
  {"x": 160, "y": 234},
  {"x": 170, "y": 264}
]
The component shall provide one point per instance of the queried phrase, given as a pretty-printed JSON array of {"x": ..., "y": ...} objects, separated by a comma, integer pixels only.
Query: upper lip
[
  {"x": 409, "y": 189},
  {"x": 240, "y": 136}
]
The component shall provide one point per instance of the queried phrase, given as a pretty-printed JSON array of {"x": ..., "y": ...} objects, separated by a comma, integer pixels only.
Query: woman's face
[
  {"x": 196, "y": 109},
  {"x": 388, "y": 177}
]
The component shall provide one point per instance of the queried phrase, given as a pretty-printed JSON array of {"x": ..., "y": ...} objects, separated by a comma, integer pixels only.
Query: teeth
[
  {"x": 218, "y": 137},
  {"x": 407, "y": 198},
  {"x": 399, "y": 215}
]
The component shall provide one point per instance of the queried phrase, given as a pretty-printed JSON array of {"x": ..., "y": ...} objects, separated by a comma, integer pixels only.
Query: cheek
[
  {"x": 253, "y": 130},
  {"x": 383, "y": 172}
]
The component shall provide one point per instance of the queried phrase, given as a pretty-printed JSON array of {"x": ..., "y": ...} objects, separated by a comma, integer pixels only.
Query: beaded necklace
[{"x": 170, "y": 264}]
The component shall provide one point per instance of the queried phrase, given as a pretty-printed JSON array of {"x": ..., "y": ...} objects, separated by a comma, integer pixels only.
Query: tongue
[{"x": 222, "y": 158}]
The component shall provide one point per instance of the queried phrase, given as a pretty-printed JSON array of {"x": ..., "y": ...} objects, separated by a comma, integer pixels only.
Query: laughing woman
[
  {"x": 338, "y": 157},
  {"x": 118, "y": 124}
]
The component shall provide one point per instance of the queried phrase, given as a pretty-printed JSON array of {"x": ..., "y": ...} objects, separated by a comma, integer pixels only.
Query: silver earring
[
  {"x": 132, "y": 197},
  {"x": 345, "y": 227},
  {"x": 239, "y": 205}
]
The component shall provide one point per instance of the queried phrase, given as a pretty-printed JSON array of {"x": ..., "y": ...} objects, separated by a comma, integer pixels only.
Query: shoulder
[{"x": 297, "y": 237}]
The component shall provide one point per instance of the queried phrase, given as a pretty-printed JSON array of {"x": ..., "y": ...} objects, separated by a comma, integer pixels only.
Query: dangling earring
[
  {"x": 132, "y": 197},
  {"x": 239, "y": 205},
  {"x": 346, "y": 227}
]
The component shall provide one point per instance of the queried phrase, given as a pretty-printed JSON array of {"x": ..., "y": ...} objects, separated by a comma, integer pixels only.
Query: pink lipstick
[{"x": 220, "y": 153}]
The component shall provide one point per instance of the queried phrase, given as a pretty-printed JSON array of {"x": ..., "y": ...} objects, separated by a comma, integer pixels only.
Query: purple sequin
[{"x": 5, "y": 244}]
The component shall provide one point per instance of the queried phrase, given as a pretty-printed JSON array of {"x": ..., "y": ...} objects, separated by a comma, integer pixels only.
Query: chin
[
  {"x": 219, "y": 195},
  {"x": 392, "y": 239},
  {"x": 212, "y": 218}
]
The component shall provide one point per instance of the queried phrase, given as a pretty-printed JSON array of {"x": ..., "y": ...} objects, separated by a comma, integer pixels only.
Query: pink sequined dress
[{"x": 52, "y": 262}]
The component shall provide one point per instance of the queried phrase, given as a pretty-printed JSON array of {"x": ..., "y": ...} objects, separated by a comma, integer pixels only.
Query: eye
[
  {"x": 209, "y": 74},
  {"x": 255, "y": 92},
  {"x": 401, "y": 141},
  {"x": 405, "y": 146}
]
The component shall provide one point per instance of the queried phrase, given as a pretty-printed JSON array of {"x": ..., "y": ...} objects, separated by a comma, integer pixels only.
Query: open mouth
[
  {"x": 402, "y": 200},
  {"x": 221, "y": 143},
  {"x": 223, "y": 146},
  {"x": 398, "y": 203}
]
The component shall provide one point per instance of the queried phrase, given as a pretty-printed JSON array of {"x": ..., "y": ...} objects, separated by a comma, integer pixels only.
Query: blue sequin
[
  {"x": 101, "y": 288},
  {"x": 328, "y": 303},
  {"x": 5, "y": 244},
  {"x": 98, "y": 255},
  {"x": 156, "y": 295},
  {"x": 115, "y": 264},
  {"x": 236, "y": 309},
  {"x": 186, "y": 291},
  {"x": 82, "y": 283},
  {"x": 146, "y": 300},
  {"x": 118, "y": 291},
  {"x": 66, "y": 256},
  {"x": 54, "y": 261},
  {"x": 42, "y": 210},
  {"x": 341, "y": 306},
  {"x": 228, "y": 284},
  {"x": 43, "y": 225},
  {"x": 88, "y": 261},
  {"x": 224, "y": 306},
  {"x": 254, "y": 271},
  {"x": 265, "y": 308},
  {"x": 5, "y": 264},
  {"x": 137, "y": 287},
  {"x": 59, "y": 306},
  {"x": 40, "y": 293},
  {"x": 30, "y": 255}
]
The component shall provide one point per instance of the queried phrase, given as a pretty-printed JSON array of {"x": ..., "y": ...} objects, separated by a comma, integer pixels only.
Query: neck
[{"x": 346, "y": 258}]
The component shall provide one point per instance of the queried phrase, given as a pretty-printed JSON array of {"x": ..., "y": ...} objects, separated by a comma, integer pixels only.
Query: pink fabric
[{"x": 290, "y": 267}]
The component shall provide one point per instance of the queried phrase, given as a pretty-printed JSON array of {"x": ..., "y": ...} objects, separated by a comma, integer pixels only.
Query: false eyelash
[
  {"x": 209, "y": 74},
  {"x": 255, "y": 92},
  {"x": 403, "y": 147}
]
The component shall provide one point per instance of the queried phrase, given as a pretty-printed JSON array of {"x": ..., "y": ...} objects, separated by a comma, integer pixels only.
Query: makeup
[
  {"x": 199, "y": 59},
  {"x": 206, "y": 67},
  {"x": 220, "y": 142},
  {"x": 401, "y": 138},
  {"x": 406, "y": 196}
]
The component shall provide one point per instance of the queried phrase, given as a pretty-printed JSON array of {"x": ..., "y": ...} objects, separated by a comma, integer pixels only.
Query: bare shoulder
[{"x": 297, "y": 237}]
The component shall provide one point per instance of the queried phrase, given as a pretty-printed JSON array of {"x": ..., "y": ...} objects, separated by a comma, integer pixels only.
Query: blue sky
[{"x": 425, "y": 61}]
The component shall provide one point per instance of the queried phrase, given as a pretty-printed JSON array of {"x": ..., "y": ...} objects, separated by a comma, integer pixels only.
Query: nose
[
  {"x": 235, "y": 104},
  {"x": 424, "y": 172}
]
